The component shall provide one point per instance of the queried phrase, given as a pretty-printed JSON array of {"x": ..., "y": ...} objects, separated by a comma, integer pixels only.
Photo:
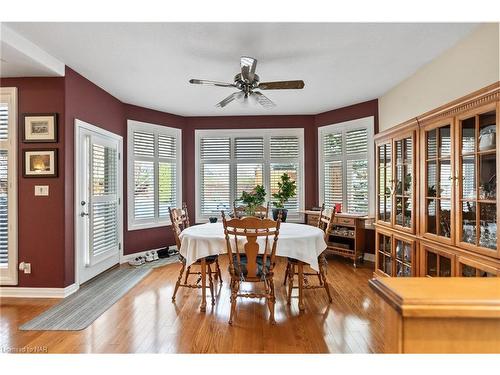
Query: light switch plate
[{"x": 41, "y": 190}]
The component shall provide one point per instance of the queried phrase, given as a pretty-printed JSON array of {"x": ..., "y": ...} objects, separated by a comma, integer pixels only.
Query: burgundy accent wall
[
  {"x": 46, "y": 224},
  {"x": 352, "y": 112},
  {"x": 154, "y": 238},
  {"x": 41, "y": 220},
  {"x": 250, "y": 122}
]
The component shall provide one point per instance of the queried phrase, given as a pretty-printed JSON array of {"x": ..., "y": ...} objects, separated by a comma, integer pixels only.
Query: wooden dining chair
[
  {"x": 262, "y": 212},
  {"x": 180, "y": 221},
  {"x": 296, "y": 267},
  {"x": 250, "y": 260}
]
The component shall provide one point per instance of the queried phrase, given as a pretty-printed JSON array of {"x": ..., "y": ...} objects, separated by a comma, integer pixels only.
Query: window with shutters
[
  {"x": 8, "y": 186},
  {"x": 154, "y": 174},
  {"x": 346, "y": 165},
  {"x": 229, "y": 162}
]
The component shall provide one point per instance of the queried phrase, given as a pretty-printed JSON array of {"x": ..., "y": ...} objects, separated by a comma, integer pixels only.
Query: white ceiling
[{"x": 149, "y": 64}]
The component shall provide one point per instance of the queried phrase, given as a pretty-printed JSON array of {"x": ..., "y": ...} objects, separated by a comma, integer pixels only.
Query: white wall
[{"x": 471, "y": 64}]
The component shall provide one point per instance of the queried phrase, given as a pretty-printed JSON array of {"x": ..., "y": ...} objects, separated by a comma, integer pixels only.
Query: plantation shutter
[
  {"x": 167, "y": 174},
  {"x": 104, "y": 225},
  {"x": 4, "y": 184},
  {"x": 233, "y": 161},
  {"x": 248, "y": 174},
  {"x": 333, "y": 182},
  {"x": 284, "y": 154},
  {"x": 144, "y": 175},
  {"x": 357, "y": 186},
  {"x": 333, "y": 171},
  {"x": 155, "y": 158},
  {"x": 357, "y": 171},
  {"x": 215, "y": 153},
  {"x": 345, "y": 169}
]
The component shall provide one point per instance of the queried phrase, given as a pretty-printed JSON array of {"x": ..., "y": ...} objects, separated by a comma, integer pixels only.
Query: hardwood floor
[{"x": 145, "y": 320}]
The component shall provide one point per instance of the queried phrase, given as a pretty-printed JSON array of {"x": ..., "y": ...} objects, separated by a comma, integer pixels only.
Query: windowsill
[
  {"x": 132, "y": 227},
  {"x": 294, "y": 219}
]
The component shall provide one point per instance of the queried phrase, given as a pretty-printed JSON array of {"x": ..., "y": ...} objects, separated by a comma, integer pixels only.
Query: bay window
[{"x": 229, "y": 162}]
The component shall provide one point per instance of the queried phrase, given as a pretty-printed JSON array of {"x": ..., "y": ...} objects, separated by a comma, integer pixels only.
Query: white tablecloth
[{"x": 299, "y": 241}]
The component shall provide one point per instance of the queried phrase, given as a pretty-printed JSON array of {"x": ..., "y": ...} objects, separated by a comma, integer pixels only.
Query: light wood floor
[{"x": 145, "y": 320}]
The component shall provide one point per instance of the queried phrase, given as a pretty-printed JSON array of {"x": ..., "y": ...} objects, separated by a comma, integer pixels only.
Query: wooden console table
[
  {"x": 440, "y": 315},
  {"x": 348, "y": 234}
]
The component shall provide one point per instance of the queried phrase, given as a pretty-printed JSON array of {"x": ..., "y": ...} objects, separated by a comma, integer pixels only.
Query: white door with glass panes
[
  {"x": 98, "y": 203},
  {"x": 8, "y": 186}
]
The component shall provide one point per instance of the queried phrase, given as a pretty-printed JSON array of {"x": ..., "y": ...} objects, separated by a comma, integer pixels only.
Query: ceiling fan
[{"x": 248, "y": 82}]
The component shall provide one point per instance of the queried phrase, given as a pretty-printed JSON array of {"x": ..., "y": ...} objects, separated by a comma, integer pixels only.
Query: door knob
[{"x": 82, "y": 214}]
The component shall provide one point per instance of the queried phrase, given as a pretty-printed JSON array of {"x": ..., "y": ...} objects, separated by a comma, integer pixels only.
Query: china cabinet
[
  {"x": 477, "y": 180},
  {"x": 396, "y": 169},
  {"x": 449, "y": 156}
]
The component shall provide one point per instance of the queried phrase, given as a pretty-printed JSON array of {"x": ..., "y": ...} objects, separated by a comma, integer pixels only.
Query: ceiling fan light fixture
[{"x": 247, "y": 81}]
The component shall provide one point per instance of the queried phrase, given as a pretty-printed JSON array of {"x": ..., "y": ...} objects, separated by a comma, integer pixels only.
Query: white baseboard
[
  {"x": 126, "y": 258},
  {"x": 38, "y": 292}
]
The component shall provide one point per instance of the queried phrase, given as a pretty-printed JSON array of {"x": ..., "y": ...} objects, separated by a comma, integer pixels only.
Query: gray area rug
[{"x": 79, "y": 310}]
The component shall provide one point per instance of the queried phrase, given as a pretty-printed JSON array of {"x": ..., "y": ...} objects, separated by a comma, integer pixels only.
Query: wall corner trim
[{"x": 15, "y": 292}]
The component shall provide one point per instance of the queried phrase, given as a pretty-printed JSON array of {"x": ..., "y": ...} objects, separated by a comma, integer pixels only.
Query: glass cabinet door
[
  {"x": 384, "y": 183},
  {"x": 471, "y": 268},
  {"x": 438, "y": 187},
  {"x": 384, "y": 253},
  {"x": 477, "y": 188},
  {"x": 404, "y": 257},
  {"x": 403, "y": 183},
  {"x": 437, "y": 263}
]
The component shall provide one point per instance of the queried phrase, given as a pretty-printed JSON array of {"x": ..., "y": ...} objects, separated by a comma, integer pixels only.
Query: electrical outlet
[
  {"x": 26, "y": 267},
  {"x": 41, "y": 190}
]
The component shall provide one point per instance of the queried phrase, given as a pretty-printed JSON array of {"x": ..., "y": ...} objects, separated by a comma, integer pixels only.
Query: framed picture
[
  {"x": 40, "y": 128},
  {"x": 40, "y": 163}
]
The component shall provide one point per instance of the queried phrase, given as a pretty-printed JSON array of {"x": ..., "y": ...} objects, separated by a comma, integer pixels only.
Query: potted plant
[
  {"x": 253, "y": 199},
  {"x": 286, "y": 190}
]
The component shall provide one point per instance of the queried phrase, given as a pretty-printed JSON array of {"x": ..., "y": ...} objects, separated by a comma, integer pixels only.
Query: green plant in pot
[
  {"x": 253, "y": 199},
  {"x": 286, "y": 189}
]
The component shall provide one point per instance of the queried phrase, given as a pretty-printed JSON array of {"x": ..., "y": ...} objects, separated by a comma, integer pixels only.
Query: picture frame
[
  {"x": 40, "y": 163},
  {"x": 40, "y": 128}
]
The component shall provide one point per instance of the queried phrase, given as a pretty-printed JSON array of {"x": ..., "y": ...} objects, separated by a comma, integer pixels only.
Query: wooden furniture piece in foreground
[
  {"x": 296, "y": 267},
  {"x": 249, "y": 263},
  {"x": 180, "y": 221},
  {"x": 440, "y": 315},
  {"x": 347, "y": 238},
  {"x": 262, "y": 212}
]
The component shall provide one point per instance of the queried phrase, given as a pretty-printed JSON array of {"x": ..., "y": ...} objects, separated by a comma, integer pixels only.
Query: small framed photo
[
  {"x": 40, "y": 163},
  {"x": 39, "y": 128}
]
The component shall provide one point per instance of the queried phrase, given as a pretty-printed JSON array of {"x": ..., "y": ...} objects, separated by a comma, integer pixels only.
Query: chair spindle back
[
  {"x": 179, "y": 218},
  {"x": 251, "y": 228}
]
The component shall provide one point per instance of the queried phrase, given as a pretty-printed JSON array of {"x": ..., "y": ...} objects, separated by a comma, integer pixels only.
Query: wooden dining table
[{"x": 299, "y": 241}]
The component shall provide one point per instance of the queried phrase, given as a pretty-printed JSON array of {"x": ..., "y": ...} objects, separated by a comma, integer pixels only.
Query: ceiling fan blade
[
  {"x": 230, "y": 98},
  {"x": 248, "y": 66},
  {"x": 281, "y": 85},
  {"x": 263, "y": 100},
  {"x": 210, "y": 83}
]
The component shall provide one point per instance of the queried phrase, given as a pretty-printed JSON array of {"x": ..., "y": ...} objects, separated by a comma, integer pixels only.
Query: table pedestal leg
[{"x": 203, "y": 306}]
